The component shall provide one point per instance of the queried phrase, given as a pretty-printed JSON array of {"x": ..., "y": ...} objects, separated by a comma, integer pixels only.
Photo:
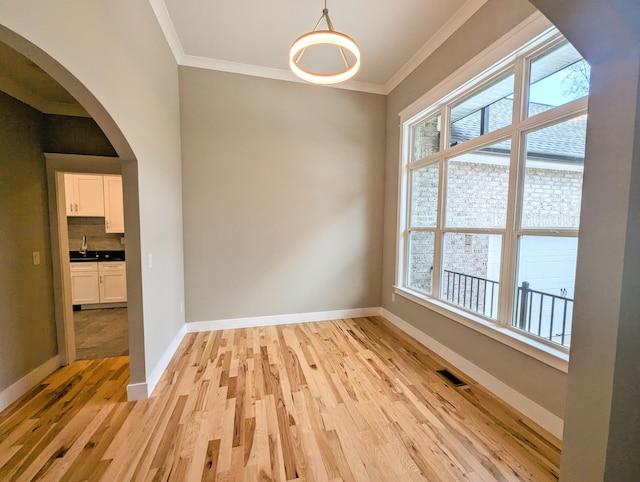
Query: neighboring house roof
[{"x": 561, "y": 142}]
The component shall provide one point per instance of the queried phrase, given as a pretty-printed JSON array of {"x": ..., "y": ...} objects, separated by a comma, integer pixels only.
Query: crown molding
[
  {"x": 456, "y": 21},
  {"x": 271, "y": 73},
  {"x": 168, "y": 28},
  {"x": 468, "y": 9},
  {"x": 530, "y": 29}
]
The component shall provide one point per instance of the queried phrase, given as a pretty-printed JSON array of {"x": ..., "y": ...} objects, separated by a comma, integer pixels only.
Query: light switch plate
[{"x": 36, "y": 258}]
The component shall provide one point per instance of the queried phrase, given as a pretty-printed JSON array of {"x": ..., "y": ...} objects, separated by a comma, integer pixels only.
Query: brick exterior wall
[
  {"x": 552, "y": 198},
  {"x": 477, "y": 197},
  {"x": 426, "y": 138}
]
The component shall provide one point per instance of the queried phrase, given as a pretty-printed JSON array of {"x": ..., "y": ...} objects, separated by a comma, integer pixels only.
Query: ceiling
[
  {"x": 253, "y": 37},
  {"x": 25, "y": 81}
]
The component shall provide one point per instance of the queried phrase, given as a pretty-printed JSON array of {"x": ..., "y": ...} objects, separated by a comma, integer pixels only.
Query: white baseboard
[
  {"x": 137, "y": 391},
  {"x": 197, "y": 326},
  {"x": 535, "y": 412},
  {"x": 141, "y": 391},
  {"x": 26, "y": 383}
]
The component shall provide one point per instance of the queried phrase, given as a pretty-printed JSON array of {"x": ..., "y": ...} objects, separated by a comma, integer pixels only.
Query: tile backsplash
[{"x": 94, "y": 230}]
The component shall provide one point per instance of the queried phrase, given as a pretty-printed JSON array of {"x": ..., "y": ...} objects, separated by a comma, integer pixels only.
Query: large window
[{"x": 492, "y": 183}]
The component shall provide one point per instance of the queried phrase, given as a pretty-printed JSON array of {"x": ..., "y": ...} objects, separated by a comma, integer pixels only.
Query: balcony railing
[
  {"x": 471, "y": 292},
  {"x": 542, "y": 314}
]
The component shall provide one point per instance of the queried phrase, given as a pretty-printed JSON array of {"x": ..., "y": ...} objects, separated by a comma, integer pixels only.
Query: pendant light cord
[{"x": 325, "y": 15}]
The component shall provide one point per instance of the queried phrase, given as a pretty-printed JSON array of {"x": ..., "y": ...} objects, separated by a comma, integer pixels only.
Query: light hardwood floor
[{"x": 352, "y": 399}]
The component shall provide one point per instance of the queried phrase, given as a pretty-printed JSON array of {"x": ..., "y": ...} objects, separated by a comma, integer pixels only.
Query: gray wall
[
  {"x": 75, "y": 135},
  {"x": 535, "y": 380},
  {"x": 27, "y": 321},
  {"x": 282, "y": 196}
]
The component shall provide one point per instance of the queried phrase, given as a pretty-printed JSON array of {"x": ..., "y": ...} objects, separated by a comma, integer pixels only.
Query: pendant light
[{"x": 324, "y": 37}]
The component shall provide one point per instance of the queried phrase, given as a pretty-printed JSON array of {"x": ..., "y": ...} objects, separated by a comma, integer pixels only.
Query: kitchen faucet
[{"x": 83, "y": 248}]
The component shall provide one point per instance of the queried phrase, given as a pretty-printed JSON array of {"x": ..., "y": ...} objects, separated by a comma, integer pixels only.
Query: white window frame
[{"x": 511, "y": 53}]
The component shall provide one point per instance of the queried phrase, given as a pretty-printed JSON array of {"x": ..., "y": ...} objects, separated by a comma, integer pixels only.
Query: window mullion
[
  {"x": 444, "y": 127},
  {"x": 437, "y": 242},
  {"x": 407, "y": 222},
  {"x": 425, "y": 161},
  {"x": 560, "y": 233},
  {"x": 404, "y": 176},
  {"x": 556, "y": 114},
  {"x": 479, "y": 142},
  {"x": 522, "y": 86},
  {"x": 509, "y": 245},
  {"x": 499, "y": 231},
  {"x": 508, "y": 266}
]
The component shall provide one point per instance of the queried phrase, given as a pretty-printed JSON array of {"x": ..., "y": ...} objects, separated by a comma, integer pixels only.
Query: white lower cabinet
[
  {"x": 98, "y": 282},
  {"x": 113, "y": 281},
  {"x": 84, "y": 283}
]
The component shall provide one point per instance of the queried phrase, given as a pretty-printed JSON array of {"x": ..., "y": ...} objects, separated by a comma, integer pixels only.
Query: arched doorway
[
  {"x": 113, "y": 58},
  {"x": 63, "y": 315}
]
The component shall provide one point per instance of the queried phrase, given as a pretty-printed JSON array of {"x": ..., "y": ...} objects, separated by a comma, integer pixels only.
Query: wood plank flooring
[{"x": 352, "y": 399}]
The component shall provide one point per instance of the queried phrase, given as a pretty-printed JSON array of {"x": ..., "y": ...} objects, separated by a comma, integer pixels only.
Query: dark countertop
[{"x": 76, "y": 257}]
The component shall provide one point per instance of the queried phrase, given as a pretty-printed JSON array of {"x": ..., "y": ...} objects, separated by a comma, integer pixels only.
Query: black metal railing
[
  {"x": 471, "y": 292},
  {"x": 544, "y": 314}
]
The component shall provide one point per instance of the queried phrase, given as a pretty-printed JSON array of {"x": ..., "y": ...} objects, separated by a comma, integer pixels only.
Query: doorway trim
[{"x": 57, "y": 165}]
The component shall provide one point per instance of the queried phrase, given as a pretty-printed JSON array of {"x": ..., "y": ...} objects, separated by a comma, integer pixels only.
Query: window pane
[
  {"x": 557, "y": 77},
  {"x": 483, "y": 112},
  {"x": 426, "y": 138},
  {"x": 545, "y": 284},
  {"x": 420, "y": 260},
  {"x": 424, "y": 196},
  {"x": 471, "y": 269},
  {"x": 553, "y": 175},
  {"x": 477, "y": 188}
]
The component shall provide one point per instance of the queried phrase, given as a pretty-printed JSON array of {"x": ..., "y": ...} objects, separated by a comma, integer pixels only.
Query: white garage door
[{"x": 548, "y": 264}]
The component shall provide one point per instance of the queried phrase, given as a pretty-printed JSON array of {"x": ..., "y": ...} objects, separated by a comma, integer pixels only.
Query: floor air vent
[{"x": 454, "y": 380}]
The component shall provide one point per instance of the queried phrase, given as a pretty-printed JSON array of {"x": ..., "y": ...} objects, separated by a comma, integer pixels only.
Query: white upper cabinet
[
  {"x": 113, "y": 204},
  {"x": 96, "y": 195},
  {"x": 84, "y": 195}
]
